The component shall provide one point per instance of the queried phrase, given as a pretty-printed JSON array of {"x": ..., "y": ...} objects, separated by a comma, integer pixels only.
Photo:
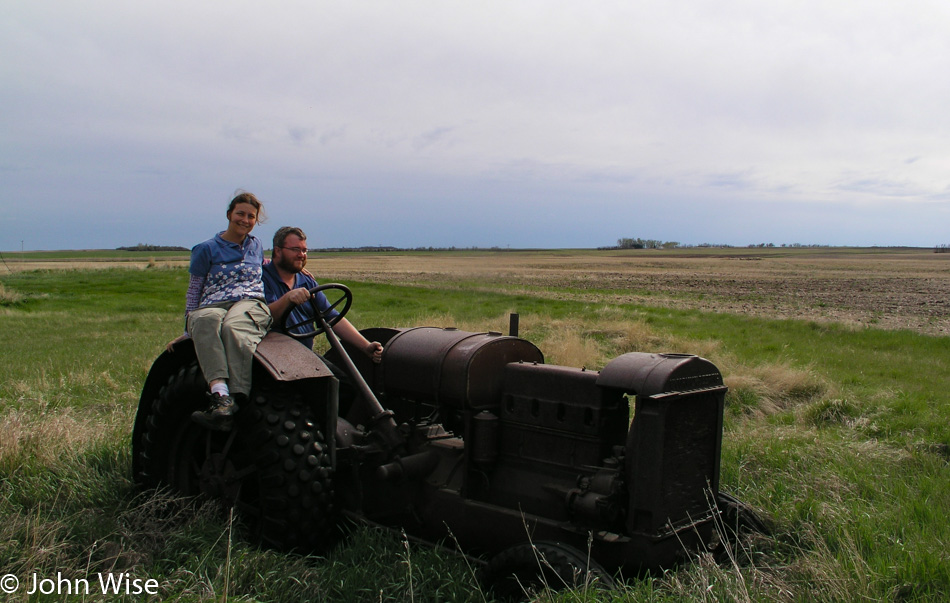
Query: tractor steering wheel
[{"x": 321, "y": 320}]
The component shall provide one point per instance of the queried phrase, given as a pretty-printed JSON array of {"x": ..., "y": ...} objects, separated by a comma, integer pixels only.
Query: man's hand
[
  {"x": 374, "y": 350},
  {"x": 297, "y": 296}
]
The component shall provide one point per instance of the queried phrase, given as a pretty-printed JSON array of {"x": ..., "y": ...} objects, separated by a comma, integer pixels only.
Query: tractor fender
[{"x": 284, "y": 358}]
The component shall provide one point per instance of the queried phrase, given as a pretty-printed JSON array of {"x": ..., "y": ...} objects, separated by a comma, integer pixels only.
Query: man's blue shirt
[{"x": 275, "y": 288}]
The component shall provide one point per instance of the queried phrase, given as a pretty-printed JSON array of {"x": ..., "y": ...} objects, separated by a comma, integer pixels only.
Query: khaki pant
[{"x": 226, "y": 336}]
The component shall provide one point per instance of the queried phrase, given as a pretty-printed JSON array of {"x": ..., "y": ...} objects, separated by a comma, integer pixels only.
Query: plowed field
[{"x": 890, "y": 289}]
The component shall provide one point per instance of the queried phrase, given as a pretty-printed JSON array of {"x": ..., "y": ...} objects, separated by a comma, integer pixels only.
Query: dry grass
[
  {"x": 775, "y": 387},
  {"x": 16, "y": 266},
  {"x": 564, "y": 342},
  {"x": 44, "y": 539},
  {"x": 569, "y": 346},
  {"x": 816, "y": 573},
  {"x": 9, "y": 297},
  {"x": 45, "y": 435}
]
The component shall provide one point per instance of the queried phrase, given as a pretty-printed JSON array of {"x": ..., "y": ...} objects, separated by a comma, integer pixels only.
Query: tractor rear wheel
[{"x": 273, "y": 467}]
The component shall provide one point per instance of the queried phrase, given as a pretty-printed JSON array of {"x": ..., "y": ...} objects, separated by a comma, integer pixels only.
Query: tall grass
[
  {"x": 839, "y": 436},
  {"x": 9, "y": 298}
]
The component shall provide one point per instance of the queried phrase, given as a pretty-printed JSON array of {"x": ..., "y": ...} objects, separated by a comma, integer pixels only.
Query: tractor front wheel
[{"x": 526, "y": 569}]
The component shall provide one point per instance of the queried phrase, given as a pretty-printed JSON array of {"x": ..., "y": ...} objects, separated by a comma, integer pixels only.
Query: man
[{"x": 285, "y": 284}]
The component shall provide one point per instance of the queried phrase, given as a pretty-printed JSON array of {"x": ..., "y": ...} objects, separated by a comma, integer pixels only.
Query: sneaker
[{"x": 220, "y": 413}]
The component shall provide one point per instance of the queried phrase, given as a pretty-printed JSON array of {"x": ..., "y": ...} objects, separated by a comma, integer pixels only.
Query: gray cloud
[{"x": 782, "y": 108}]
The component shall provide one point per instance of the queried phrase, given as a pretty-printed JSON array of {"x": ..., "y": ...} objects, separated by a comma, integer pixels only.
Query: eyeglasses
[{"x": 300, "y": 250}]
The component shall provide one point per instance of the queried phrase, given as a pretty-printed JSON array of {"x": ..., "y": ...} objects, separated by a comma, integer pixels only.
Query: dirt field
[
  {"x": 905, "y": 289},
  {"x": 884, "y": 288}
]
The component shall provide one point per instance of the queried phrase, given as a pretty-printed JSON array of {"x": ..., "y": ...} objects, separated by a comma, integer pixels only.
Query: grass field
[{"x": 836, "y": 423}]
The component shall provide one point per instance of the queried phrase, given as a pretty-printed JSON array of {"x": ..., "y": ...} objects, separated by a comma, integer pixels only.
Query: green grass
[{"x": 839, "y": 436}]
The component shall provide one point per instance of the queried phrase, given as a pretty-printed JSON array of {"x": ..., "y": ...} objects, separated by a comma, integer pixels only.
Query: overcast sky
[{"x": 521, "y": 124}]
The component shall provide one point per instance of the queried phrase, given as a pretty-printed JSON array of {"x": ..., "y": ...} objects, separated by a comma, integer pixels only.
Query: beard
[{"x": 290, "y": 265}]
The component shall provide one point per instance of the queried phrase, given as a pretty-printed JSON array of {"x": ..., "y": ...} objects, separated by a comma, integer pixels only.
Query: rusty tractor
[{"x": 468, "y": 439}]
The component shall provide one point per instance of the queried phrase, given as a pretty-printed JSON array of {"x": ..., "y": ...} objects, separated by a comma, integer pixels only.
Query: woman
[{"x": 225, "y": 313}]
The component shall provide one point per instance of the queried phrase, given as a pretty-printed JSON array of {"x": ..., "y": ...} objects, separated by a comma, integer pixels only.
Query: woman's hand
[{"x": 170, "y": 346}]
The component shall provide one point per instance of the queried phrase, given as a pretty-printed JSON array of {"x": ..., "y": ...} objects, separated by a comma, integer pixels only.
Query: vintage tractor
[{"x": 468, "y": 439}]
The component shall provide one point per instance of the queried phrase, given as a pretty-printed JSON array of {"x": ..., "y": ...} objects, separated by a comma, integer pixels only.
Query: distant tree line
[
  {"x": 144, "y": 247},
  {"x": 942, "y": 248},
  {"x": 374, "y": 249},
  {"x": 638, "y": 243}
]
